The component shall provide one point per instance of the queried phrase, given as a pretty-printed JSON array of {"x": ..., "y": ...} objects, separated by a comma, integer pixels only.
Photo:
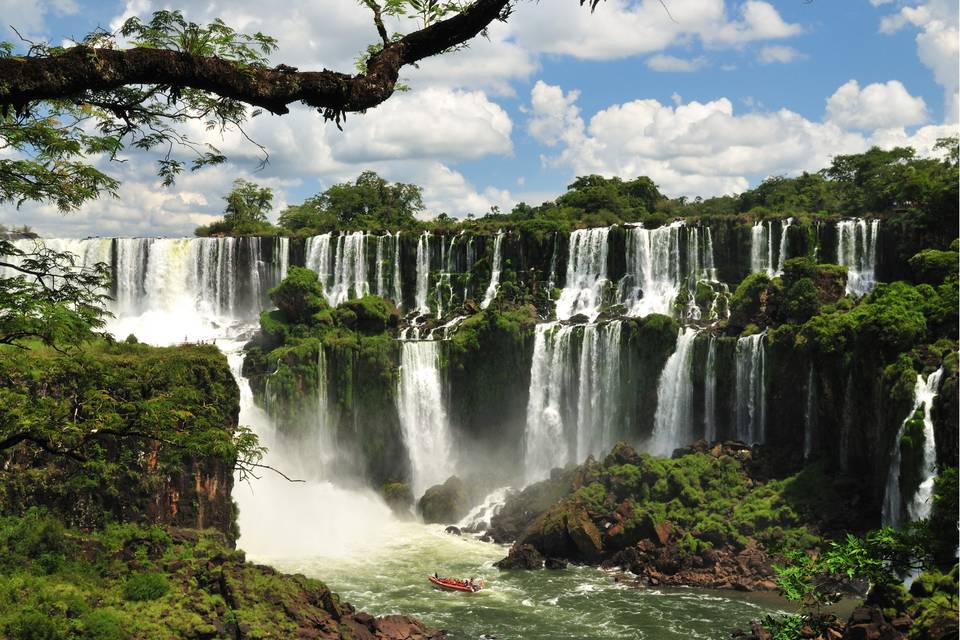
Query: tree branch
[{"x": 83, "y": 70}]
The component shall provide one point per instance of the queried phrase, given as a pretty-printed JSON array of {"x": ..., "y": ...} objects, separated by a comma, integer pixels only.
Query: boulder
[
  {"x": 398, "y": 497},
  {"x": 452, "y": 530},
  {"x": 556, "y": 563},
  {"x": 585, "y": 535},
  {"x": 524, "y": 556},
  {"x": 445, "y": 502}
]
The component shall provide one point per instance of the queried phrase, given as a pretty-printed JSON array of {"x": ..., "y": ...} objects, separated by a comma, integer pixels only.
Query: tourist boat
[{"x": 455, "y": 585}]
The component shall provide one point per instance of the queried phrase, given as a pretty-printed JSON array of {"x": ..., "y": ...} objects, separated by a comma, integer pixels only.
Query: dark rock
[
  {"x": 447, "y": 502},
  {"x": 452, "y": 530},
  {"x": 556, "y": 563},
  {"x": 524, "y": 556}
]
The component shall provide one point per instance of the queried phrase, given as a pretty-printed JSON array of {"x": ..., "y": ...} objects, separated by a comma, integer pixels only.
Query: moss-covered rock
[{"x": 444, "y": 503}]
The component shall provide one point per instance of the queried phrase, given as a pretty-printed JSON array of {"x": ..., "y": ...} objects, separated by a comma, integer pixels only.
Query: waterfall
[
  {"x": 857, "y": 251},
  {"x": 710, "y": 392},
  {"x": 918, "y": 505},
  {"x": 709, "y": 268},
  {"x": 397, "y": 286},
  {"x": 598, "y": 389},
  {"x": 442, "y": 276},
  {"x": 479, "y": 517},
  {"x": 574, "y": 403},
  {"x": 471, "y": 258},
  {"x": 653, "y": 267},
  {"x": 759, "y": 244},
  {"x": 494, "y": 272},
  {"x": 586, "y": 274},
  {"x": 545, "y": 440},
  {"x": 783, "y": 245},
  {"x": 809, "y": 415},
  {"x": 751, "y": 389},
  {"x": 423, "y": 414},
  {"x": 673, "y": 423},
  {"x": 342, "y": 272},
  {"x": 423, "y": 272},
  {"x": 381, "y": 283}
]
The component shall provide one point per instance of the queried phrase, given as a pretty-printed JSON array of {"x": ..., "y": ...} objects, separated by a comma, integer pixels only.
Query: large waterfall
[
  {"x": 857, "y": 251},
  {"x": 573, "y": 406},
  {"x": 916, "y": 506},
  {"x": 586, "y": 274},
  {"x": 342, "y": 271},
  {"x": 495, "y": 267},
  {"x": 751, "y": 389},
  {"x": 423, "y": 414},
  {"x": 673, "y": 425}
]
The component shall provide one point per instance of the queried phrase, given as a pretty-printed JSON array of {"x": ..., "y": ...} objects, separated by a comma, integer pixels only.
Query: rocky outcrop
[
  {"x": 708, "y": 517},
  {"x": 444, "y": 503}
]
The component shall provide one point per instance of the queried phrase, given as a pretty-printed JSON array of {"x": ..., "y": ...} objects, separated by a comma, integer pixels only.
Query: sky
[{"x": 707, "y": 97}]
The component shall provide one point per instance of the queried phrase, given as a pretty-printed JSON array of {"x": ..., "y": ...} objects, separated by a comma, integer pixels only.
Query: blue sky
[{"x": 709, "y": 102}]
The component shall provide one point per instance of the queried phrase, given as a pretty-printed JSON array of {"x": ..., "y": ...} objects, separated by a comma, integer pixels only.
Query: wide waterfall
[
  {"x": 574, "y": 402},
  {"x": 857, "y": 251},
  {"x": 918, "y": 505},
  {"x": 343, "y": 273},
  {"x": 423, "y": 414},
  {"x": 766, "y": 255},
  {"x": 673, "y": 425},
  {"x": 751, "y": 389},
  {"x": 423, "y": 272},
  {"x": 653, "y": 269},
  {"x": 586, "y": 274},
  {"x": 494, "y": 285}
]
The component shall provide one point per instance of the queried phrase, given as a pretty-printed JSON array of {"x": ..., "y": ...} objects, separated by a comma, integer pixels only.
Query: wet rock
[
  {"x": 556, "y": 563},
  {"x": 452, "y": 530},
  {"x": 447, "y": 502},
  {"x": 523, "y": 556},
  {"x": 585, "y": 535}
]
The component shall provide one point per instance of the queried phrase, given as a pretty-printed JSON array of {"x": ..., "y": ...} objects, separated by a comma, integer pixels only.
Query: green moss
[{"x": 141, "y": 587}]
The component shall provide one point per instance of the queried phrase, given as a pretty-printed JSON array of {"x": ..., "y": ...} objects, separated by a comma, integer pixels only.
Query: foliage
[
  {"x": 931, "y": 266},
  {"x": 141, "y": 587},
  {"x": 299, "y": 297},
  {"x": 245, "y": 213},
  {"x": 50, "y": 298},
  {"x": 369, "y": 203}
]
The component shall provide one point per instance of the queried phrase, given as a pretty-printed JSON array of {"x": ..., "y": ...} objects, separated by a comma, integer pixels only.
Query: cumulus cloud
[
  {"x": 702, "y": 148},
  {"x": 938, "y": 44},
  {"x": 662, "y": 62},
  {"x": 876, "y": 106},
  {"x": 29, "y": 16}
]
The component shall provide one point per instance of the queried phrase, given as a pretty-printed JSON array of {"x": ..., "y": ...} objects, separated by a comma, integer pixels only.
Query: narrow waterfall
[
  {"x": 478, "y": 519},
  {"x": 759, "y": 245},
  {"x": 318, "y": 257},
  {"x": 397, "y": 286},
  {"x": 131, "y": 265},
  {"x": 782, "y": 258},
  {"x": 494, "y": 272},
  {"x": 548, "y": 405},
  {"x": 470, "y": 259},
  {"x": 423, "y": 414},
  {"x": 917, "y": 506},
  {"x": 751, "y": 389},
  {"x": 423, "y": 272},
  {"x": 586, "y": 274},
  {"x": 809, "y": 415},
  {"x": 381, "y": 283},
  {"x": 673, "y": 424},
  {"x": 710, "y": 392},
  {"x": 653, "y": 269},
  {"x": 709, "y": 268},
  {"x": 846, "y": 423},
  {"x": 443, "y": 275},
  {"x": 857, "y": 251}
]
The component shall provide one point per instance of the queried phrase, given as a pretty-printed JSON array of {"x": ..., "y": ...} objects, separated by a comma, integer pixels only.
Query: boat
[{"x": 455, "y": 585}]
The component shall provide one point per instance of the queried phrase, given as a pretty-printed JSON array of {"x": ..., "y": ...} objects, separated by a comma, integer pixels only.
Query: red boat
[{"x": 455, "y": 585}]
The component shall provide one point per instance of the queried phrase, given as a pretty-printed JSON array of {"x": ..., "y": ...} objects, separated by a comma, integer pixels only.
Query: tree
[
  {"x": 177, "y": 71},
  {"x": 245, "y": 213},
  {"x": 369, "y": 202}
]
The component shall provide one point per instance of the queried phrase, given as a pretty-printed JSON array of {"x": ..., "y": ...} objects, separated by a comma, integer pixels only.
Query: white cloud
[
  {"x": 29, "y": 16},
  {"x": 662, "y": 62},
  {"x": 776, "y": 53},
  {"x": 701, "y": 148},
  {"x": 876, "y": 106},
  {"x": 938, "y": 45}
]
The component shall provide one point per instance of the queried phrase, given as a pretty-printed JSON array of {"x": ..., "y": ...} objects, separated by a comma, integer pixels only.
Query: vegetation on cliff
[{"x": 125, "y": 582}]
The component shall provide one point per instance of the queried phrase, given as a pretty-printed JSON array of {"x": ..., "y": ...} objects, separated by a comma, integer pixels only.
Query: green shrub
[
  {"x": 32, "y": 625},
  {"x": 141, "y": 587},
  {"x": 103, "y": 624},
  {"x": 933, "y": 267},
  {"x": 299, "y": 296}
]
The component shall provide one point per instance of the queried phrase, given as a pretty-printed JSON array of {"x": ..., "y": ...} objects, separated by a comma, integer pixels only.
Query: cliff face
[{"x": 134, "y": 434}]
